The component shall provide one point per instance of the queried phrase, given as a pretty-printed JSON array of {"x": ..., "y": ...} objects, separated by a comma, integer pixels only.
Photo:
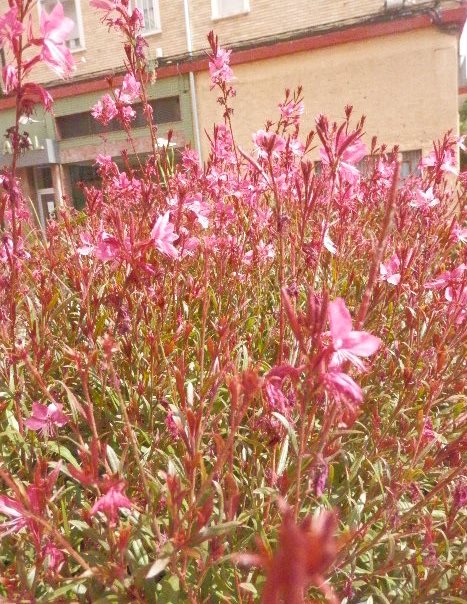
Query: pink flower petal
[
  {"x": 361, "y": 343},
  {"x": 339, "y": 319}
]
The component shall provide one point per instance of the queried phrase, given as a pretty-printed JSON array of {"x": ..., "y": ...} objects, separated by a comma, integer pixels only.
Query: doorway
[{"x": 45, "y": 194}]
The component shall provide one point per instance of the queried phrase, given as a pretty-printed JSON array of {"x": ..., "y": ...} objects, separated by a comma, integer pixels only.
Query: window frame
[
  {"x": 157, "y": 13},
  {"x": 412, "y": 157},
  {"x": 79, "y": 24},
  {"x": 216, "y": 13},
  {"x": 367, "y": 163}
]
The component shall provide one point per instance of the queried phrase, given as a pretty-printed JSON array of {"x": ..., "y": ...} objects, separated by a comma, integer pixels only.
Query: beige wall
[
  {"x": 268, "y": 17},
  {"x": 273, "y": 17},
  {"x": 405, "y": 84},
  {"x": 104, "y": 51}
]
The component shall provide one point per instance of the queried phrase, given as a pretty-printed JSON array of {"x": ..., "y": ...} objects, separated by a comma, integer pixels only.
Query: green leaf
[
  {"x": 288, "y": 426},
  {"x": 62, "y": 591},
  {"x": 169, "y": 591},
  {"x": 113, "y": 460},
  {"x": 248, "y": 587},
  {"x": 59, "y": 449},
  {"x": 156, "y": 568},
  {"x": 12, "y": 420},
  {"x": 283, "y": 456},
  {"x": 75, "y": 405},
  {"x": 218, "y": 529}
]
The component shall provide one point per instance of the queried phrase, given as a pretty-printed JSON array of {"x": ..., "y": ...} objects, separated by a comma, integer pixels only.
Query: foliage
[{"x": 233, "y": 382}]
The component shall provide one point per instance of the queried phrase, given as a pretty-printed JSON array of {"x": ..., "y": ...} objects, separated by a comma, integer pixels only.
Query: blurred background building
[{"x": 396, "y": 61}]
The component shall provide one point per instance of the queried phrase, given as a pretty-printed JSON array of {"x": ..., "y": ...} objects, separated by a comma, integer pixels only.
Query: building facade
[{"x": 395, "y": 61}]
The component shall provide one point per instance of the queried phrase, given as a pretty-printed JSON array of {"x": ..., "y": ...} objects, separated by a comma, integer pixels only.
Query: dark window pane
[
  {"x": 165, "y": 110},
  {"x": 85, "y": 174},
  {"x": 410, "y": 161},
  {"x": 44, "y": 178},
  {"x": 71, "y": 126}
]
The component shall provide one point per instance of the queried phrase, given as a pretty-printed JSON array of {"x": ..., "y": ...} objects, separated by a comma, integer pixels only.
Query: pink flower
[
  {"x": 343, "y": 386},
  {"x": 108, "y": 247},
  {"x": 163, "y": 236},
  {"x": 190, "y": 159},
  {"x": 458, "y": 233},
  {"x": 424, "y": 199},
  {"x": 45, "y": 419},
  {"x": 447, "y": 281},
  {"x": 446, "y": 162},
  {"x": 33, "y": 94},
  {"x": 54, "y": 557},
  {"x": 6, "y": 249},
  {"x": 88, "y": 247},
  {"x": 296, "y": 146},
  {"x": 264, "y": 252},
  {"x": 55, "y": 28},
  {"x": 268, "y": 143},
  {"x": 110, "y": 503},
  {"x": 303, "y": 555},
  {"x": 460, "y": 495},
  {"x": 346, "y": 151},
  {"x": 201, "y": 210},
  {"x": 348, "y": 345},
  {"x": 328, "y": 242},
  {"x": 37, "y": 496},
  {"x": 390, "y": 270},
  {"x": 10, "y": 27},
  {"x": 126, "y": 114},
  {"x": 190, "y": 245},
  {"x": 10, "y": 78},
  {"x": 219, "y": 67},
  {"x": 459, "y": 296},
  {"x": 130, "y": 90},
  {"x": 16, "y": 512},
  {"x": 106, "y": 166},
  {"x": 428, "y": 433},
  {"x": 104, "y": 110},
  {"x": 291, "y": 110}
]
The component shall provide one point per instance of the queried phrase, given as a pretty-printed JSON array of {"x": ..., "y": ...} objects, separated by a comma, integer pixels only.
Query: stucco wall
[
  {"x": 405, "y": 84},
  {"x": 103, "y": 49},
  {"x": 267, "y": 17}
]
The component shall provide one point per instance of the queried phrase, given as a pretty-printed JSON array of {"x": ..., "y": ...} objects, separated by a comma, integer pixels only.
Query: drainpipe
[{"x": 191, "y": 77}]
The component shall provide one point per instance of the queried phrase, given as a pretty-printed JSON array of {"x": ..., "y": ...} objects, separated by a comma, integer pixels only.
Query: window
[
  {"x": 71, "y": 9},
  {"x": 409, "y": 163},
  {"x": 43, "y": 176},
  {"x": 166, "y": 110},
  {"x": 229, "y": 8},
  {"x": 82, "y": 174},
  {"x": 151, "y": 15},
  {"x": 394, "y": 4},
  {"x": 366, "y": 165}
]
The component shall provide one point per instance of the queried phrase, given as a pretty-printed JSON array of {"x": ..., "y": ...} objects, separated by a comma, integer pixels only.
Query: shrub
[{"x": 237, "y": 381}]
